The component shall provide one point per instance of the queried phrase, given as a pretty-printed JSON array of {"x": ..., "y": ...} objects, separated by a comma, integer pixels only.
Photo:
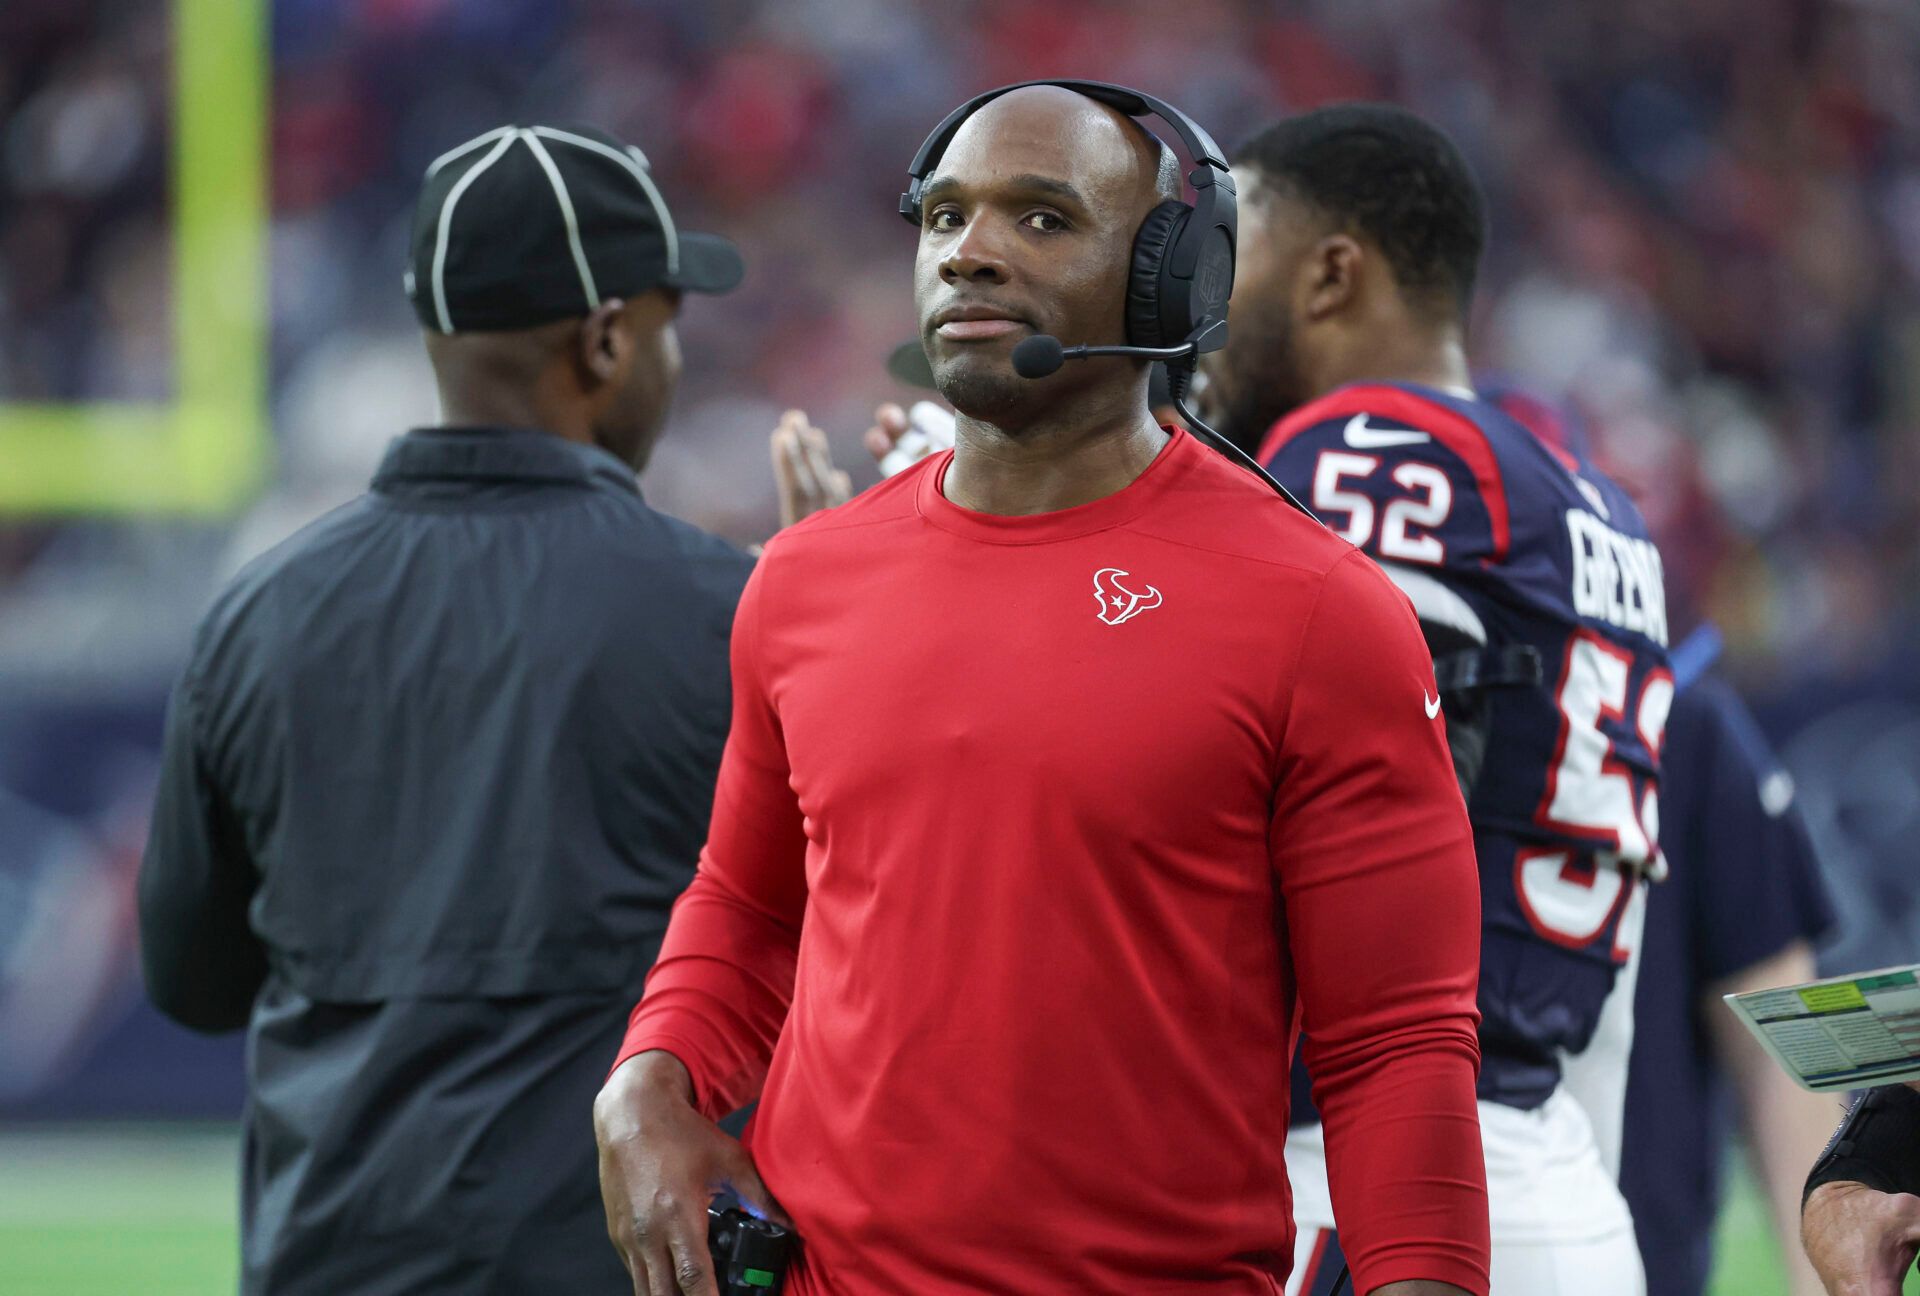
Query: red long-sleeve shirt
[{"x": 1037, "y": 842}]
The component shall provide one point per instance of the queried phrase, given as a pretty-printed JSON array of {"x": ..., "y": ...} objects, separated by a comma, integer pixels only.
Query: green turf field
[
  {"x": 113, "y": 1210},
  {"x": 108, "y": 1211}
]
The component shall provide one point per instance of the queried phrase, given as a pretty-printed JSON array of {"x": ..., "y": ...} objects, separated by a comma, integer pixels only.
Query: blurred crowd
[
  {"x": 1706, "y": 242},
  {"x": 1706, "y": 247}
]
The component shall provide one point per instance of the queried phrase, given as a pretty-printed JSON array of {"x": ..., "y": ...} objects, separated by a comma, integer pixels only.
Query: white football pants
[{"x": 1560, "y": 1225}]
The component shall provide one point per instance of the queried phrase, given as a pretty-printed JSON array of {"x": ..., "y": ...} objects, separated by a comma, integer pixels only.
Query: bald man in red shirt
[{"x": 1072, "y": 776}]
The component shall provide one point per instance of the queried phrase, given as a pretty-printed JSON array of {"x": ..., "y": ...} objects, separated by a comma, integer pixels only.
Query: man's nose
[{"x": 977, "y": 255}]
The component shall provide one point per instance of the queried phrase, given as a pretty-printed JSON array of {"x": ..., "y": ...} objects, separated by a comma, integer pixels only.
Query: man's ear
[
  {"x": 1332, "y": 275},
  {"x": 606, "y": 341}
]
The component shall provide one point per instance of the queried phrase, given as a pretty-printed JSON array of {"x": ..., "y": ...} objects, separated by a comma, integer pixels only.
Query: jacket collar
[{"x": 492, "y": 454}]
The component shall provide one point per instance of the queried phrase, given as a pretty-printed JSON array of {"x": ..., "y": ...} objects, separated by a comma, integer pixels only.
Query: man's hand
[
  {"x": 901, "y": 438},
  {"x": 1861, "y": 1241},
  {"x": 803, "y": 471},
  {"x": 889, "y": 425},
  {"x": 661, "y": 1162}
]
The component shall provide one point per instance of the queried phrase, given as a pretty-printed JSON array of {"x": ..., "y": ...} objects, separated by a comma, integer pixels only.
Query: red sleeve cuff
[
  {"x": 1429, "y": 1267},
  {"x": 694, "y": 1052},
  {"x": 682, "y": 1049}
]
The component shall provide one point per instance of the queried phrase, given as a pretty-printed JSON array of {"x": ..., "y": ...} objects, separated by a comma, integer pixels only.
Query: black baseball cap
[
  {"x": 524, "y": 225},
  {"x": 907, "y": 363}
]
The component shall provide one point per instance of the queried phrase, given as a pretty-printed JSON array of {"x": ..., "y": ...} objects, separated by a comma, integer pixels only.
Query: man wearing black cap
[{"x": 439, "y": 764}]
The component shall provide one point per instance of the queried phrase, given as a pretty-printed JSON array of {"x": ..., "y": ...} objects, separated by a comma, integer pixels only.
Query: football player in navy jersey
[{"x": 1361, "y": 229}]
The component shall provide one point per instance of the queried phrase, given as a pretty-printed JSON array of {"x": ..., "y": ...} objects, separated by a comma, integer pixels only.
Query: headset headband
[{"x": 1200, "y": 146}]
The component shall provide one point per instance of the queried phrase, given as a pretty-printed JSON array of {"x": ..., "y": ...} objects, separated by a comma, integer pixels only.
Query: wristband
[{"x": 1877, "y": 1144}]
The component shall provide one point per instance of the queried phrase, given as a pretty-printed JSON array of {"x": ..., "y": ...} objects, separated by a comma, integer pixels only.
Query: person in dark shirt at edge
[
  {"x": 1860, "y": 1215},
  {"x": 1011, "y": 953},
  {"x": 439, "y": 764},
  {"x": 1742, "y": 909}
]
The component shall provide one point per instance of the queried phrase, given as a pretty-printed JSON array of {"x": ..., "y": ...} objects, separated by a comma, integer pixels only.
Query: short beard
[{"x": 983, "y": 392}]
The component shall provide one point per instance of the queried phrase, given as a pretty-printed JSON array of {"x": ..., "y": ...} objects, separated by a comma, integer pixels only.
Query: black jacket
[{"x": 435, "y": 772}]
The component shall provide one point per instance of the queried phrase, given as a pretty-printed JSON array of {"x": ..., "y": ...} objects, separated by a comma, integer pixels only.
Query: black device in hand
[{"x": 749, "y": 1255}]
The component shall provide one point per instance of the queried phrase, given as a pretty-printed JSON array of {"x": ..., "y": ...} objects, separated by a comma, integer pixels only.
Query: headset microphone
[{"x": 1042, "y": 354}]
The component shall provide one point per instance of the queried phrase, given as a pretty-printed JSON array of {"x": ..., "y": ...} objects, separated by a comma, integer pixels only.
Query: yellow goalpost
[{"x": 205, "y": 452}]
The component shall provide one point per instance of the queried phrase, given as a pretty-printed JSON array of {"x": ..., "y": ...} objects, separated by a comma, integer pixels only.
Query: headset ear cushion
[{"x": 1147, "y": 305}]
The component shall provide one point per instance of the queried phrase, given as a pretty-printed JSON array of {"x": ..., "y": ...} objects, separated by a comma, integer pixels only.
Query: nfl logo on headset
[{"x": 1214, "y": 282}]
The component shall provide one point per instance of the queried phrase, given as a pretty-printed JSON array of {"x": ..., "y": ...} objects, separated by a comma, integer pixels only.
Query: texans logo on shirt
[{"x": 1117, "y": 602}]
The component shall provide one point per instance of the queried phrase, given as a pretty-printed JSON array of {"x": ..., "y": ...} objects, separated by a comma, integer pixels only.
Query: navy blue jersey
[
  {"x": 1744, "y": 886},
  {"x": 1536, "y": 548}
]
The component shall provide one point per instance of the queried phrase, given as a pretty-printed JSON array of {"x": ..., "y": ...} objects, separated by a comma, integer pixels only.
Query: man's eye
[
  {"x": 1045, "y": 221},
  {"x": 946, "y": 218}
]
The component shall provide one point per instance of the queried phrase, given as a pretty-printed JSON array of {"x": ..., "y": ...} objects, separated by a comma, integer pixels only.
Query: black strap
[
  {"x": 1877, "y": 1144},
  {"x": 1511, "y": 666}
]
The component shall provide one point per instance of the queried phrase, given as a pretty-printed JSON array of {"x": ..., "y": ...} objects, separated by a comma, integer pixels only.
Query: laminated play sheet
[{"x": 1848, "y": 1032}]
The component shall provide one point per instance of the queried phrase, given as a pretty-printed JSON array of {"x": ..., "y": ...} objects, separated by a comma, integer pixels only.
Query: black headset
[
  {"x": 1182, "y": 271},
  {"x": 1183, "y": 254}
]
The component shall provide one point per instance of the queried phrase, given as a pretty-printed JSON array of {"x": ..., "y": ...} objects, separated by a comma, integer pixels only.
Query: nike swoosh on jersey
[
  {"x": 1433, "y": 706},
  {"x": 1594, "y": 497},
  {"x": 1361, "y": 437}
]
